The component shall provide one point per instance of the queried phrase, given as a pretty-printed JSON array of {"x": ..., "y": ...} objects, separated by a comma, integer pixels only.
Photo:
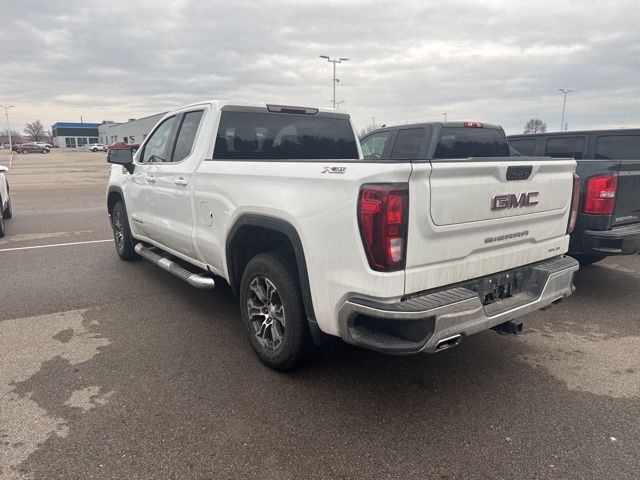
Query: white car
[
  {"x": 5, "y": 200},
  {"x": 97, "y": 147}
]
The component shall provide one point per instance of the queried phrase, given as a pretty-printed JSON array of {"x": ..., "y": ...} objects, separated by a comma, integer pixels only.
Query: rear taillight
[
  {"x": 601, "y": 194},
  {"x": 575, "y": 201},
  {"x": 382, "y": 216}
]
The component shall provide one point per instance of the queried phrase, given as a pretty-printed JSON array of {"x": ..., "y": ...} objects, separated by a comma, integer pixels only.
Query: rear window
[
  {"x": 525, "y": 146},
  {"x": 471, "y": 142},
  {"x": 618, "y": 147},
  {"x": 280, "y": 136},
  {"x": 565, "y": 147}
]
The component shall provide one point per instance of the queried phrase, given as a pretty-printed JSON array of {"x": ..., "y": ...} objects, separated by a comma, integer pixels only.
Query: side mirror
[
  {"x": 121, "y": 156},
  {"x": 3, "y": 169}
]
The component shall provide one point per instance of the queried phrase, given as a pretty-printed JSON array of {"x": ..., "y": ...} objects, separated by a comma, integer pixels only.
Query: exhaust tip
[{"x": 448, "y": 342}]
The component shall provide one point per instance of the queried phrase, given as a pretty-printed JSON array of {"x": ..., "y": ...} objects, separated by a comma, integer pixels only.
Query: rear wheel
[
  {"x": 24, "y": 151},
  {"x": 122, "y": 233},
  {"x": 273, "y": 313},
  {"x": 585, "y": 259}
]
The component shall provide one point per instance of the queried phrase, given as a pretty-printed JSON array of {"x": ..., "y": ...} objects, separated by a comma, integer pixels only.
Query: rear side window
[
  {"x": 373, "y": 146},
  {"x": 525, "y": 146},
  {"x": 281, "y": 136},
  {"x": 408, "y": 143},
  {"x": 187, "y": 135},
  {"x": 461, "y": 142},
  {"x": 618, "y": 147},
  {"x": 565, "y": 147}
]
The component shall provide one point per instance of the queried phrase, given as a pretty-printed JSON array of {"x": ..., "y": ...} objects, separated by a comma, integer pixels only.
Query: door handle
[
  {"x": 181, "y": 181},
  {"x": 151, "y": 179}
]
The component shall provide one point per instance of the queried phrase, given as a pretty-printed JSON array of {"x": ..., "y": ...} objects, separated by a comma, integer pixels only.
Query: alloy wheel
[
  {"x": 266, "y": 313},
  {"x": 118, "y": 233}
]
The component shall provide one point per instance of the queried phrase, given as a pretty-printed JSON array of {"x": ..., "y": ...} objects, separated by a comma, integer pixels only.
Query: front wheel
[
  {"x": 273, "y": 313},
  {"x": 8, "y": 212},
  {"x": 2, "y": 228},
  {"x": 122, "y": 233}
]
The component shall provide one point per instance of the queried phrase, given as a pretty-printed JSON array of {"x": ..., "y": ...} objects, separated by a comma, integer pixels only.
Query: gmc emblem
[{"x": 511, "y": 200}]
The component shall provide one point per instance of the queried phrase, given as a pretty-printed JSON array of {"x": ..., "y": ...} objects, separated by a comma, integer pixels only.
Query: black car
[{"x": 609, "y": 168}]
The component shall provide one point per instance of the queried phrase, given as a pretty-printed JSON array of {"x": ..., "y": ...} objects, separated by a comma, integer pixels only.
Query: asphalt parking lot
[{"x": 119, "y": 370}]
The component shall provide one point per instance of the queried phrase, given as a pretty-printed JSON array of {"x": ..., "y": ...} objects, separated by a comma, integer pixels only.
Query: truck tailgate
[
  {"x": 627, "y": 208},
  {"x": 474, "y": 217}
]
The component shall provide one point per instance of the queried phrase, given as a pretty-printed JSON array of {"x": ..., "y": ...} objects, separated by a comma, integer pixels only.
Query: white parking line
[{"x": 54, "y": 245}]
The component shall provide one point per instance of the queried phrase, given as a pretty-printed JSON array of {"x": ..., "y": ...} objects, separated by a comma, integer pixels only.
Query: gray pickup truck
[{"x": 608, "y": 221}]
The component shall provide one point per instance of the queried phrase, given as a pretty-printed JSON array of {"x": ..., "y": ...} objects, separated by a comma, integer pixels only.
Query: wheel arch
[
  {"x": 243, "y": 231},
  {"x": 113, "y": 195}
]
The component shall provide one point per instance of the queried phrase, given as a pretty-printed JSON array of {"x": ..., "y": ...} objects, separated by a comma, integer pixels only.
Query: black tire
[
  {"x": 8, "y": 212},
  {"x": 2, "y": 227},
  {"x": 24, "y": 152},
  {"x": 124, "y": 241},
  {"x": 586, "y": 260},
  {"x": 289, "y": 323}
]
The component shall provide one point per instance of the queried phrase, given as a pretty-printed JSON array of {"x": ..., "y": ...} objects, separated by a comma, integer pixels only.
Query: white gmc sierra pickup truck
[{"x": 400, "y": 255}]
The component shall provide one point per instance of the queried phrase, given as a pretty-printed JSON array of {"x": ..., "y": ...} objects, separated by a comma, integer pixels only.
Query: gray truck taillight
[
  {"x": 575, "y": 201},
  {"x": 601, "y": 194},
  {"x": 473, "y": 125},
  {"x": 383, "y": 211}
]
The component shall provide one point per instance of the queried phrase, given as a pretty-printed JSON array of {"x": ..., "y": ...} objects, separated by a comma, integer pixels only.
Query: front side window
[
  {"x": 565, "y": 147},
  {"x": 282, "y": 136},
  {"x": 187, "y": 135},
  {"x": 373, "y": 146},
  {"x": 408, "y": 143},
  {"x": 155, "y": 148},
  {"x": 618, "y": 147}
]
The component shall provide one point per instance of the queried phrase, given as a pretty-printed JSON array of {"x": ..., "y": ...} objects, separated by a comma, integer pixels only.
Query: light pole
[
  {"x": 565, "y": 92},
  {"x": 6, "y": 114},
  {"x": 444, "y": 115},
  {"x": 340, "y": 102},
  {"x": 335, "y": 80}
]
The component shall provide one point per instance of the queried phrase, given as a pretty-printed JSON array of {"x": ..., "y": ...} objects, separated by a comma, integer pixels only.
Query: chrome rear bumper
[{"x": 428, "y": 321}]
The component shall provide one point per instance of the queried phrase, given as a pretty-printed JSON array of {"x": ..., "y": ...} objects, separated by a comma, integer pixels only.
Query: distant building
[
  {"x": 133, "y": 131},
  {"x": 74, "y": 135}
]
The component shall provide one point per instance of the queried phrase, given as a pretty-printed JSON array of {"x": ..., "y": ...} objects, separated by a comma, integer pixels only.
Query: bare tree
[
  {"x": 535, "y": 125},
  {"x": 35, "y": 130},
  {"x": 16, "y": 137}
]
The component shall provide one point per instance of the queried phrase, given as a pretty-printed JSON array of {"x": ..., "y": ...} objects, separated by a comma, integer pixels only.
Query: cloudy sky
[{"x": 495, "y": 61}]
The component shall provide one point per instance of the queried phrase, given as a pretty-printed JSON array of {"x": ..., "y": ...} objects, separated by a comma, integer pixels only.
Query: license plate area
[{"x": 493, "y": 288}]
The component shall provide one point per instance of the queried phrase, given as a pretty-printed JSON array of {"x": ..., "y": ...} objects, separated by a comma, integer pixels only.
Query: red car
[
  {"x": 132, "y": 146},
  {"x": 31, "y": 147}
]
